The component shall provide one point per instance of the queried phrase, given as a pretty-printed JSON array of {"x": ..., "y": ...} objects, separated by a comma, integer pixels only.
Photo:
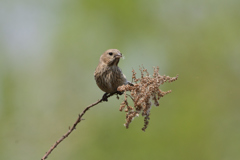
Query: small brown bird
[{"x": 108, "y": 75}]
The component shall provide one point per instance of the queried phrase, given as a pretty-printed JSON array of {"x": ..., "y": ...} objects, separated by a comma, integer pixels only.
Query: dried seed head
[{"x": 144, "y": 90}]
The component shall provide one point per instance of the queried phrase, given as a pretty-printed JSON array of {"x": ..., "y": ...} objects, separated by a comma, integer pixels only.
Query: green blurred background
[{"x": 50, "y": 49}]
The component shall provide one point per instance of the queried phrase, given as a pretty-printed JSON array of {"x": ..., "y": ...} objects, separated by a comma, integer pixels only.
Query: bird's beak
[{"x": 119, "y": 55}]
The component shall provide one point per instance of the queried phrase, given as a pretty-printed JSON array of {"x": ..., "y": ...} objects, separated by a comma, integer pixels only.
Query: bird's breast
[{"x": 109, "y": 79}]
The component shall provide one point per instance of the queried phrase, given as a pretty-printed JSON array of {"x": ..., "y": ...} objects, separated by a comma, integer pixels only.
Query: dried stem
[{"x": 72, "y": 128}]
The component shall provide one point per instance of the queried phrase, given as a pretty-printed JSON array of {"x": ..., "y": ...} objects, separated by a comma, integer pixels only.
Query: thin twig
[{"x": 72, "y": 128}]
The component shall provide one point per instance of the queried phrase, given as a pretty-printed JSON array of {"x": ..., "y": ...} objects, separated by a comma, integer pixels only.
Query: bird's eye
[{"x": 110, "y": 53}]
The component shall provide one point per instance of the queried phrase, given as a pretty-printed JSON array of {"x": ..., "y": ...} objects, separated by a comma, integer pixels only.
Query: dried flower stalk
[{"x": 144, "y": 91}]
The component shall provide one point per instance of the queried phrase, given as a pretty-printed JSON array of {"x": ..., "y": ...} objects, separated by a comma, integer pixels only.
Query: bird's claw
[
  {"x": 129, "y": 83},
  {"x": 119, "y": 93},
  {"x": 105, "y": 97}
]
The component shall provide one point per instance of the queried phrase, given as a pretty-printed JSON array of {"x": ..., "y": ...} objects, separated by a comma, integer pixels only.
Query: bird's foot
[
  {"x": 130, "y": 84},
  {"x": 119, "y": 93},
  {"x": 105, "y": 97}
]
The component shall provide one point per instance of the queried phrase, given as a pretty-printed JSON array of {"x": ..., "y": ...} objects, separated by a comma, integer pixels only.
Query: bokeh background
[{"x": 50, "y": 49}]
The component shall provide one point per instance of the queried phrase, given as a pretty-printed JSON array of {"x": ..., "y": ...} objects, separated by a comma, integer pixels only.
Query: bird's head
[{"x": 111, "y": 57}]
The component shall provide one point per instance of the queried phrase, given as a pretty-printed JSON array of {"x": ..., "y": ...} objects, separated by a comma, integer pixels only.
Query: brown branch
[{"x": 73, "y": 127}]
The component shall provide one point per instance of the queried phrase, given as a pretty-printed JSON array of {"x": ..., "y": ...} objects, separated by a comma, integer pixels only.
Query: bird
[{"x": 108, "y": 75}]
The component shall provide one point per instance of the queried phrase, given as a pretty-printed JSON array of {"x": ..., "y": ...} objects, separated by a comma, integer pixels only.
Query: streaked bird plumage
[{"x": 108, "y": 75}]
